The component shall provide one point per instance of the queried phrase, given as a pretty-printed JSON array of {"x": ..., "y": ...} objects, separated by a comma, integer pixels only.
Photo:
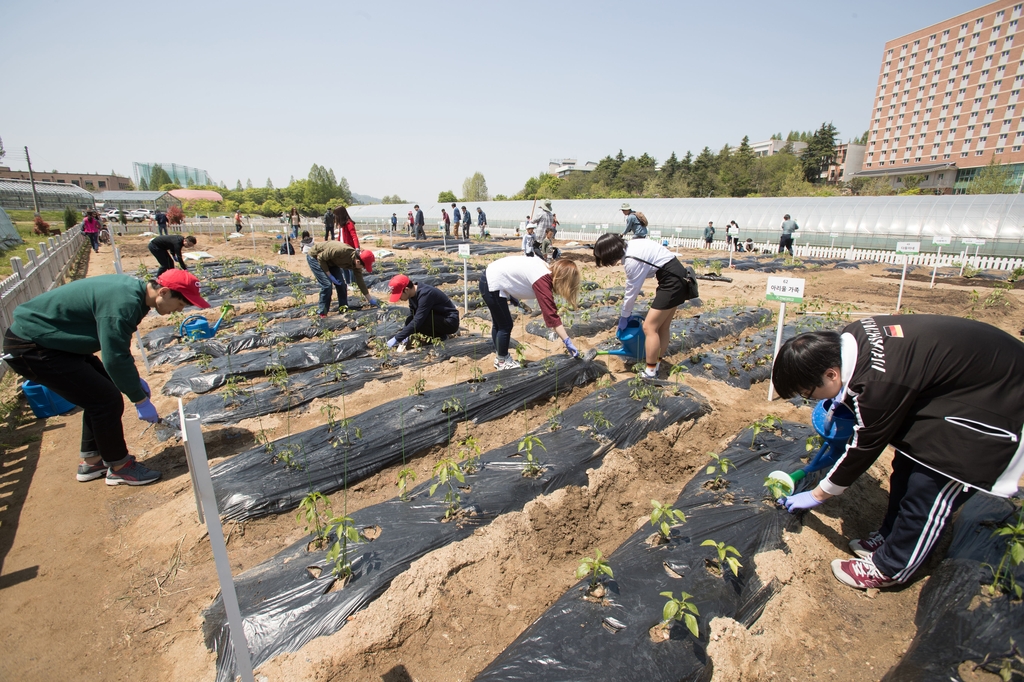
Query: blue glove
[
  {"x": 623, "y": 322},
  {"x": 334, "y": 281},
  {"x": 800, "y": 502},
  {"x": 145, "y": 387},
  {"x": 573, "y": 351},
  {"x": 392, "y": 341},
  {"x": 147, "y": 412},
  {"x": 373, "y": 301}
]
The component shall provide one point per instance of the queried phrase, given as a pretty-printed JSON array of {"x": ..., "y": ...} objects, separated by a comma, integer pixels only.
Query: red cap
[
  {"x": 398, "y": 284},
  {"x": 367, "y": 258},
  {"x": 186, "y": 284}
]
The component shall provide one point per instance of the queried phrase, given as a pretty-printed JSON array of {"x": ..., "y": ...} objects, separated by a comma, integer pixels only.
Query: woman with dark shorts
[{"x": 642, "y": 258}]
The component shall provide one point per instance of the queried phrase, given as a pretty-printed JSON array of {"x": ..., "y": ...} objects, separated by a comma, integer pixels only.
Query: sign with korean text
[
  {"x": 655, "y": 234},
  {"x": 908, "y": 248},
  {"x": 463, "y": 250},
  {"x": 941, "y": 241},
  {"x": 785, "y": 289},
  {"x": 973, "y": 242}
]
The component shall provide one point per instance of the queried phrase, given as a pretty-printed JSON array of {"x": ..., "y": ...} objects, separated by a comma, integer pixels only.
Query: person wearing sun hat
[
  {"x": 542, "y": 219},
  {"x": 432, "y": 313},
  {"x": 633, "y": 224},
  {"x": 53, "y": 339}
]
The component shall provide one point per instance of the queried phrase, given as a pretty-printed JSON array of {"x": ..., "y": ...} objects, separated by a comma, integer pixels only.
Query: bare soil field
[{"x": 109, "y": 583}]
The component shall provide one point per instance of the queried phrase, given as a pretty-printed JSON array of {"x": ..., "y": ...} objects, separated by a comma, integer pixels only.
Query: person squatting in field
[
  {"x": 432, "y": 313},
  {"x": 642, "y": 258},
  {"x": 945, "y": 392},
  {"x": 521, "y": 277},
  {"x": 53, "y": 340}
]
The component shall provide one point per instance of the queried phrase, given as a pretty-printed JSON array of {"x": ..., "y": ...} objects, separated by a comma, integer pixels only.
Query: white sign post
[
  {"x": 833, "y": 235},
  {"x": 784, "y": 290},
  {"x": 978, "y": 243},
  {"x": 199, "y": 467},
  {"x": 907, "y": 249},
  {"x": 464, "y": 255},
  {"x": 938, "y": 241}
]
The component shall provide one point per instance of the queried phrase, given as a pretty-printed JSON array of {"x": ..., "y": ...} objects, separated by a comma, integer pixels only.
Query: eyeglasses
[{"x": 806, "y": 395}]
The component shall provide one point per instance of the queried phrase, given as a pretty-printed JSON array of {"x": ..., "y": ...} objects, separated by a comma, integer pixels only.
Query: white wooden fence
[{"x": 47, "y": 267}]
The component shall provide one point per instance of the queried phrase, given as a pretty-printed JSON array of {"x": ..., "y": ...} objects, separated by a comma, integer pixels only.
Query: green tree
[
  {"x": 238, "y": 185},
  {"x": 2, "y": 152},
  {"x": 446, "y": 197},
  {"x": 820, "y": 153},
  {"x": 248, "y": 183},
  {"x": 269, "y": 184},
  {"x": 321, "y": 186},
  {"x": 704, "y": 180},
  {"x": 143, "y": 185},
  {"x": 393, "y": 199},
  {"x": 871, "y": 187},
  {"x": 994, "y": 178},
  {"x": 158, "y": 177},
  {"x": 475, "y": 188}
]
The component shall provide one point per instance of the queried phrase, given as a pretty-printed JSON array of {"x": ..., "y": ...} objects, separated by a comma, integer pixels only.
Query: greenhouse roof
[
  {"x": 986, "y": 216},
  {"x": 56, "y": 189}
]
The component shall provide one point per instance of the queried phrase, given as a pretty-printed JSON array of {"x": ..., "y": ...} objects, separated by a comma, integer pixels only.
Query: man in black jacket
[
  {"x": 419, "y": 223},
  {"x": 167, "y": 246},
  {"x": 432, "y": 312},
  {"x": 945, "y": 392}
]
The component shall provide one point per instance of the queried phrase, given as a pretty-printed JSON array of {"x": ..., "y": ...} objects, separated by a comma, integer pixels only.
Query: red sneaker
[
  {"x": 866, "y": 547},
  {"x": 860, "y": 573}
]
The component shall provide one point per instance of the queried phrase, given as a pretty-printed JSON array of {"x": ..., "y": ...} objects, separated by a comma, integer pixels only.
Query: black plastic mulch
[
  {"x": 284, "y": 606},
  {"x": 255, "y": 483},
  {"x": 255, "y": 400},
  {"x": 583, "y": 640},
  {"x": 294, "y": 357},
  {"x": 955, "y": 621}
]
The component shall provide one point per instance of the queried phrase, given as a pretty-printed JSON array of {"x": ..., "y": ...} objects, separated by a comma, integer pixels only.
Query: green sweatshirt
[
  {"x": 339, "y": 255},
  {"x": 88, "y": 315}
]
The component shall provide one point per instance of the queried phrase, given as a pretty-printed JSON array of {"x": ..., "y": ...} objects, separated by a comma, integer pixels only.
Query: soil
[{"x": 114, "y": 579}]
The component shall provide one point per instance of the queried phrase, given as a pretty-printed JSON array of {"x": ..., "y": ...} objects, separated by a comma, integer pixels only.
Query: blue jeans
[
  {"x": 295, "y": 231},
  {"x": 501, "y": 318},
  {"x": 94, "y": 237},
  {"x": 326, "y": 285}
]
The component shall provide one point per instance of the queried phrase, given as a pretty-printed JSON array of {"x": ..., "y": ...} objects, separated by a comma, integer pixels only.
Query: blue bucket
[{"x": 44, "y": 402}]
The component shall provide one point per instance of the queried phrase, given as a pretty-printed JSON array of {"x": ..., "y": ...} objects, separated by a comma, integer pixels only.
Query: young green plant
[
  {"x": 719, "y": 465},
  {"x": 724, "y": 559},
  {"x": 769, "y": 423},
  {"x": 532, "y": 466},
  {"x": 447, "y": 472},
  {"x": 594, "y": 567},
  {"x": 681, "y": 609},
  {"x": 664, "y": 517}
]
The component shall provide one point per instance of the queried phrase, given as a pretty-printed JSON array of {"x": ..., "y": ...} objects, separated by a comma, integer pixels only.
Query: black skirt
[{"x": 675, "y": 286}]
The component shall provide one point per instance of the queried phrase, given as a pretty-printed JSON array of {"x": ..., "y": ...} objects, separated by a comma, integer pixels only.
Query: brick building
[
  {"x": 90, "y": 181},
  {"x": 947, "y": 100}
]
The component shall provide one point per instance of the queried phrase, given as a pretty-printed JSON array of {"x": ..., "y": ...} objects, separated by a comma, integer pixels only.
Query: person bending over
[
  {"x": 642, "y": 258},
  {"x": 945, "y": 392},
  {"x": 167, "y": 248},
  {"x": 53, "y": 340},
  {"x": 326, "y": 261},
  {"x": 522, "y": 277},
  {"x": 432, "y": 313}
]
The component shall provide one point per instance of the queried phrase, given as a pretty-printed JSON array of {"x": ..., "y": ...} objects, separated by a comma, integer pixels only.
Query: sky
[{"x": 412, "y": 98}]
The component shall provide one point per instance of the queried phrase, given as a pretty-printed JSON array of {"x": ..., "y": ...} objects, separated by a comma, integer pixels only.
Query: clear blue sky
[{"x": 411, "y": 98}]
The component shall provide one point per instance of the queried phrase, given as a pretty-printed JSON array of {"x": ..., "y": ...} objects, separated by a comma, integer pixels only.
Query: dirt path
[{"x": 108, "y": 583}]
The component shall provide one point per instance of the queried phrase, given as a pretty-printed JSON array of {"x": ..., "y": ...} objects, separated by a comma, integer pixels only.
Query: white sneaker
[{"x": 506, "y": 363}]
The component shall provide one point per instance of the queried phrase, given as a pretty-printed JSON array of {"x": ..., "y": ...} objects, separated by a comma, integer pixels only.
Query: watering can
[
  {"x": 195, "y": 327},
  {"x": 632, "y": 339},
  {"x": 834, "y": 422}
]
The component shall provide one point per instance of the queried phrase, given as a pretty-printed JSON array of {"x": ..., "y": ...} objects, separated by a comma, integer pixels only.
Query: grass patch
[{"x": 23, "y": 222}]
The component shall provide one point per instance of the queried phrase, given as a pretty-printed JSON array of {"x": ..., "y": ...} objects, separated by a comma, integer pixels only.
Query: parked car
[
  {"x": 111, "y": 214},
  {"x": 140, "y": 214}
]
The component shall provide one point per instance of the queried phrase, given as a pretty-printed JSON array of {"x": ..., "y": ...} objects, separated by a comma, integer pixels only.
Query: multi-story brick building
[
  {"x": 948, "y": 100},
  {"x": 90, "y": 181}
]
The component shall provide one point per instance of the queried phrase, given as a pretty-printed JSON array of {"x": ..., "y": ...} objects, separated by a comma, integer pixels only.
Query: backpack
[{"x": 641, "y": 217}]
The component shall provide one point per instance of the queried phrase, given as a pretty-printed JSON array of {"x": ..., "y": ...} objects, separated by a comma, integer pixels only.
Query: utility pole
[{"x": 32, "y": 179}]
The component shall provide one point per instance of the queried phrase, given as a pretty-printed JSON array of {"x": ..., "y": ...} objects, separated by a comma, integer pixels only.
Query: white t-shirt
[{"x": 637, "y": 270}]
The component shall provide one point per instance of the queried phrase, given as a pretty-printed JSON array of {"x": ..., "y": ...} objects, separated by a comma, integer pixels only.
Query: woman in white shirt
[
  {"x": 642, "y": 258},
  {"x": 522, "y": 277}
]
